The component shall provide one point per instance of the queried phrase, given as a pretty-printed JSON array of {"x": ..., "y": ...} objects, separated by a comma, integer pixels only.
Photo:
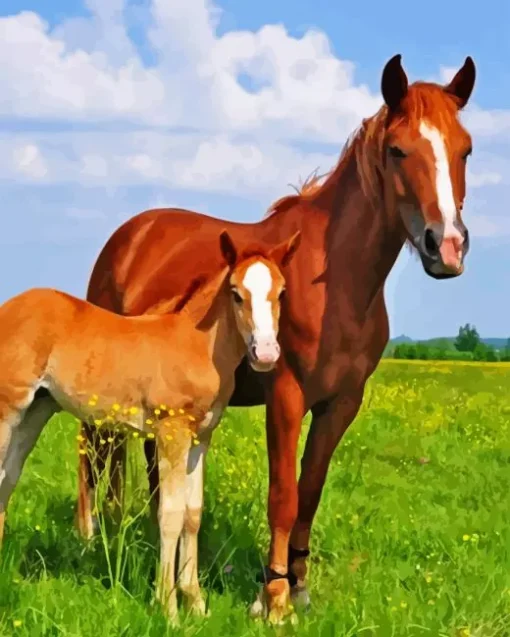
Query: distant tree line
[{"x": 467, "y": 346}]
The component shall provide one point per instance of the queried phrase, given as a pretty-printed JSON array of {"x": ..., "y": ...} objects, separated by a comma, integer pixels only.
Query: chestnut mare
[{"x": 401, "y": 177}]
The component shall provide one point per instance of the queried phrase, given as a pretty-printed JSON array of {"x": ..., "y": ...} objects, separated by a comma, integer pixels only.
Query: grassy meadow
[{"x": 412, "y": 535}]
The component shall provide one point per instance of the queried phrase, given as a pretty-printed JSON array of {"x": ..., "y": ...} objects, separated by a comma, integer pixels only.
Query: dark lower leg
[
  {"x": 150, "y": 451},
  {"x": 330, "y": 421}
]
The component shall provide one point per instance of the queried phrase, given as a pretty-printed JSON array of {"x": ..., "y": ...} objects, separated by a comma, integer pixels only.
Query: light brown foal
[{"x": 59, "y": 352}]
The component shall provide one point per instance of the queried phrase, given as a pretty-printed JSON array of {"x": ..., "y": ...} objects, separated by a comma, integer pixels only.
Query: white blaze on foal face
[{"x": 257, "y": 287}]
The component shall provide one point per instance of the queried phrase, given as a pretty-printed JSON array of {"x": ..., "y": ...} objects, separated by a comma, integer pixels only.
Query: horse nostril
[{"x": 430, "y": 242}]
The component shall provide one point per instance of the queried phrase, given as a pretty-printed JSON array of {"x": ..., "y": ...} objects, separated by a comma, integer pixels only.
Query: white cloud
[
  {"x": 28, "y": 160},
  {"x": 246, "y": 100},
  {"x": 88, "y": 69},
  {"x": 191, "y": 161}
]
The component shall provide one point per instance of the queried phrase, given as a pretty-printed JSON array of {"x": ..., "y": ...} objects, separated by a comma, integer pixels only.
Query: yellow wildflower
[
  {"x": 466, "y": 537},
  {"x": 82, "y": 452},
  {"x": 133, "y": 410},
  {"x": 17, "y": 623},
  {"x": 110, "y": 439},
  {"x": 157, "y": 411},
  {"x": 116, "y": 407},
  {"x": 191, "y": 418},
  {"x": 163, "y": 407},
  {"x": 171, "y": 412},
  {"x": 80, "y": 438},
  {"x": 98, "y": 422},
  {"x": 136, "y": 434},
  {"x": 181, "y": 411},
  {"x": 149, "y": 421},
  {"x": 169, "y": 437},
  {"x": 150, "y": 435}
]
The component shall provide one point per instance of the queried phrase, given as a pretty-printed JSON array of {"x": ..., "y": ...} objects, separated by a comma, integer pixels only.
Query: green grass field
[{"x": 412, "y": 535}]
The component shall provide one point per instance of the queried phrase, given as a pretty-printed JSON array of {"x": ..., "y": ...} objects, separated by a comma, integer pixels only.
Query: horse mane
[{"x": 365, "y": 144}]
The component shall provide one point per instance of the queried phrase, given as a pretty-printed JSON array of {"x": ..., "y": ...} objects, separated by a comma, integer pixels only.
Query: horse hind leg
[
  {"x": 19, "y": 432},
  {"x": 94, "y": 452}
]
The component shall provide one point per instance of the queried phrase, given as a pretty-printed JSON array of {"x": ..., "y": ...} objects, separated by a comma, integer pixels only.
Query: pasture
[{"x": 412, "y": 536}]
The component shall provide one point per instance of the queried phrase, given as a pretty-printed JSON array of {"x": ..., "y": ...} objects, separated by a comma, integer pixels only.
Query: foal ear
[
  {"x": 228, "y": 249},
  {"x": 394, "y": 82},
  {"x": 283, "y": 252},
  {"x": 463, "y": 82}
]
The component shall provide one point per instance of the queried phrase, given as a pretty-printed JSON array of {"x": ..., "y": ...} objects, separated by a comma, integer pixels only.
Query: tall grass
[{"x": 412, "y": 536}]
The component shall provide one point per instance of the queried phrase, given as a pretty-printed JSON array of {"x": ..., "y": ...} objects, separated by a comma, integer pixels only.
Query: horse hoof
[
  {"x": 282, "y": 616},
  {"x": 300, "y": 598}
]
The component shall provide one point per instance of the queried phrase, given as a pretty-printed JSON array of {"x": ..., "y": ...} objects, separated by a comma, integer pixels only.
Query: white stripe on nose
[
  {"x": 444, "y": 187},
  {"x": 258, "y": 282}
]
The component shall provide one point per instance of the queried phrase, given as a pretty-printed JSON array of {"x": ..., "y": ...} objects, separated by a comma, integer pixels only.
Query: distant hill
[{"x": 496, "y": 342}]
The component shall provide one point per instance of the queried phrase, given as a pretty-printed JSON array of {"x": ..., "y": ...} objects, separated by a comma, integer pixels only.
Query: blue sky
[{"x": 104, "y": 112}]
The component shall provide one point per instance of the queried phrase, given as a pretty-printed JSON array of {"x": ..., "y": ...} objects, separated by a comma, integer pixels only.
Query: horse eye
[
  {"x": 396, "y": 152},
  {"x": 237, "y": 297}
]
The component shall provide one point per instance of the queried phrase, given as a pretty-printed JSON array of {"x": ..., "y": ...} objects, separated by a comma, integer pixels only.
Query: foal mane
[{"x": 365, "y": 144}]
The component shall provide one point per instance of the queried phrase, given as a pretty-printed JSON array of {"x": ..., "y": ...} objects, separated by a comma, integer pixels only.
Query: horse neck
[{"x": 363, "y": 239}]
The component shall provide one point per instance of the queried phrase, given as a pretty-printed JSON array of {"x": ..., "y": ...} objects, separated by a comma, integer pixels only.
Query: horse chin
[{"x": 436, "y": 270}]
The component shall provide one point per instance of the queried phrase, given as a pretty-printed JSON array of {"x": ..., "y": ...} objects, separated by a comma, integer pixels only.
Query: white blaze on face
[
  {"x": 444, "y": 186},
  {"x": 258, "y": 282}
]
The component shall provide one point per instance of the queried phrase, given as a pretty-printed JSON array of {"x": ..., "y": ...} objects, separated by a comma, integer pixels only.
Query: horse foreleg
[
  {"x": 329, "y": 423},
  {"x": 285, "y": 411}
]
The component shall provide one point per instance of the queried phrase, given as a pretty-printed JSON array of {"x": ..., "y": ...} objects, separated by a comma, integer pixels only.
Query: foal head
[
  {"x": 256, "y": 287},
  {"x": 425, "y": 149}
]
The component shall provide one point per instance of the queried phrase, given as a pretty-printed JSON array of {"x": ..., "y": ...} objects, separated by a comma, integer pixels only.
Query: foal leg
[
  {"x": 172, "y": 461},
  {"x": 329, "y": 423},
  {"x": 285, "y": 411},
  {"x": 19, "y": 431},
  {"x": 188, "y": 553}
]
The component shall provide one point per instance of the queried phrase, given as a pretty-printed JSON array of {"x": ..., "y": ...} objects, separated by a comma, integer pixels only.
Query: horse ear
[
  {"x": 283, "y": 252},
  {"x": 462, "y": 84},
  {"x": 228, "y": 249},
  {"x": 394, "y": 82}
]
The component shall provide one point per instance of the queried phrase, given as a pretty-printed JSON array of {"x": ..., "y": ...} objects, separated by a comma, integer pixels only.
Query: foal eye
[
  {"x": 237, "y": 297},
  {"x": 396, "y": 152}
]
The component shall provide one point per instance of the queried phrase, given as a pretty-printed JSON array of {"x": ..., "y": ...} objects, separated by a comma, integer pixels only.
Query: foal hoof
[{"x": 197, "y": 608}]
